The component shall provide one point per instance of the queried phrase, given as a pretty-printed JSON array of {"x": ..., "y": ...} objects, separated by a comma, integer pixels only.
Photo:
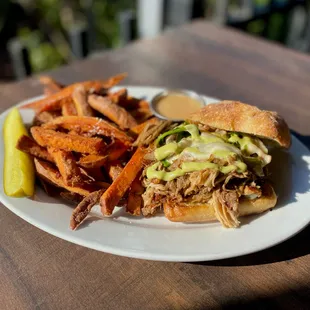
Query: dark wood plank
[{"x": 43, "y": 272}]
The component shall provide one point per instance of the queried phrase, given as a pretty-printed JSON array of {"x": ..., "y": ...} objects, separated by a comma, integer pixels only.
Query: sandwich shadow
[{"x": 287, "y": 187}]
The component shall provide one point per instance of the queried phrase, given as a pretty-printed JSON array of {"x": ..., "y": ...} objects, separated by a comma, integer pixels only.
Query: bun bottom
[{"x": 205, "y": 212}]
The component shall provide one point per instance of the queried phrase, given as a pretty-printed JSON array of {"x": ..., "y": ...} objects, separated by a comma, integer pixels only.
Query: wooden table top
[{"x": 40, "y": 271}]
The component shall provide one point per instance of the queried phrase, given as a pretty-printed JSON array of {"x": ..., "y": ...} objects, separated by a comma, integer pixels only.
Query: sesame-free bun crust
[
  {"x": 205, "y": 212},
  {"x": 244, "y": 118}
]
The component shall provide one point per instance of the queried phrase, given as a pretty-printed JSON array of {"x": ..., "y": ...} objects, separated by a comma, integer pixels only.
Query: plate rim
[{"x": 131, "y": 252}]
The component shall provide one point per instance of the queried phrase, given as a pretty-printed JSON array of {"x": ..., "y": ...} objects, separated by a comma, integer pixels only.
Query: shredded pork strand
[
  {"x": 205, "y": 186},
  {"x": 193, "y": 187},
  {"x": 225, "y": 206},
  {"x": 84, "y": 207}
]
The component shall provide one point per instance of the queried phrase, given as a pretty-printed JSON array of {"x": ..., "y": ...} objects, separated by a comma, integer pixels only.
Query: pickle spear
[{"x": 18, "y": 174}]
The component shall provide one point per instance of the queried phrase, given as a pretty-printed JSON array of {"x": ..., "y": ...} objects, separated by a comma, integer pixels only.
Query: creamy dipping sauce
[{"x": 177, "y": 106}]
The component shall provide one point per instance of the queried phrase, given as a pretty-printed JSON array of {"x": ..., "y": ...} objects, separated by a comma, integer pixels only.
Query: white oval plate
[{"x": 158, "y": 239}]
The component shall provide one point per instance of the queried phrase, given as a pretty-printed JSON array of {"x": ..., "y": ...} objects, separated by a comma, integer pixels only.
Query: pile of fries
[{"x": 83, "y": 144}]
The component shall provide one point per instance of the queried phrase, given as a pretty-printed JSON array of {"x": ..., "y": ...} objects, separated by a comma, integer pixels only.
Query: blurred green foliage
[
  {"x": 105, "y": 13},
  {"x": 47, "y": 39},
  {"x": 43, "y": 54},
  {"x": 49, "y": 46},
  {"x": 275, "y": 27}
]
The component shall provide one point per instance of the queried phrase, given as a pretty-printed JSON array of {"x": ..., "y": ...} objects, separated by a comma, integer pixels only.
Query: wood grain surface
[{"x": 39, "y": 271}]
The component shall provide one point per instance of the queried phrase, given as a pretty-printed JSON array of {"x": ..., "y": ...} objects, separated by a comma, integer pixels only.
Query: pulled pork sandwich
[{"x": 214, "y": 165}]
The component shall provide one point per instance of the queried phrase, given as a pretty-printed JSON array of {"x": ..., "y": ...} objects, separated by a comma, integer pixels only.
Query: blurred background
[{"x": 38, "y": 35}]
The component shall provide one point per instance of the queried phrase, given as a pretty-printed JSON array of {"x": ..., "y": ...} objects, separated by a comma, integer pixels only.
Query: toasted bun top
[{"x": 241, "y": 117}]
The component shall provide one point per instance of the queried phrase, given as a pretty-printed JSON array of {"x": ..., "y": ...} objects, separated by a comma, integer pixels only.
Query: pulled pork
[
  {"x": 225, "y": 205},
  {"x": 209, "y": 186},
  {"x": 205, "y": 186},
  {"x": 193, "y": 187}
]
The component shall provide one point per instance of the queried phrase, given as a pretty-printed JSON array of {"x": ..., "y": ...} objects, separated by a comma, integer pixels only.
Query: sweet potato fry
[
  {"x": 116, "y": 191},
  {"x": 141, "y": 114},
  {"x": 79, "y": 96},
  {"x": 66, "y": 142},
  {"x": 114, "y": 170},
  {"x": 68, "y": 109},
  {"x": 113, "y": 152},
  {"x": 67, "y": 166},
  {"x": 55, "y": 101},
  {"x": 50, "y": 85},
  {"x": 139, "y": 128},
  {"x": 51, "y": 175},
  {"x": 49, "y": 81},
  {"x": 115, "y": 113},
  {"x": 84, "y": 207},
  {"x": 48, "y": 91},
  {"x": 137, "y": 103},
  {"x": 122, "y": 99},
  {"x": 73, "y": 198},
  {"x": 118, "y": 96},
  {"x": 49, "y": 189},
  {"x": 55, "y": 107},
  {"x": 77, "y": 132},
  {"x": 95, "y": 173},
  {"x": 28, "y": 145},
  {"x": 90, "y": 125},
  {"x": 102, "y": 184},
  {"x": 135, "y": 200},
  {"x": 92, "y": 161},
  {"x": 123, "y": 202},
  {"x": 45, "y": 117}
]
